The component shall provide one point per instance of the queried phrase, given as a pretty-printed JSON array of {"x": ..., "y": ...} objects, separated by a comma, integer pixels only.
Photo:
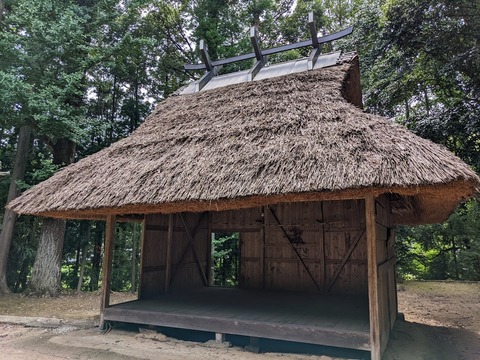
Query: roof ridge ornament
[
  {"x": 260, "y": 55},
  {"x": 317, "y": 48},
  {"x": 261, "y": 60},
  {"x": 211, "y": 70}
]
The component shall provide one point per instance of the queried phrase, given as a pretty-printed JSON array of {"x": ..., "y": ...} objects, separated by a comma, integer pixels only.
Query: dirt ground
[{"x": 442, "y": 321}]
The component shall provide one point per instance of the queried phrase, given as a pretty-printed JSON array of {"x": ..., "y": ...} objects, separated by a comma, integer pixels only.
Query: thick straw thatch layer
[{"x": 290, "y": 138}]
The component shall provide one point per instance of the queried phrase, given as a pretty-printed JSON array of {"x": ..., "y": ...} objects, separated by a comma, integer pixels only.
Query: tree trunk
[
  {"x": 9, "y": 217},
  {"x": 46, "y": 269},
  {"x": 84, "y": 241},
  {"x": 82, "y": 269},
  {"x": 97, "y": 254},
  {"x": 455, "y": 261}
]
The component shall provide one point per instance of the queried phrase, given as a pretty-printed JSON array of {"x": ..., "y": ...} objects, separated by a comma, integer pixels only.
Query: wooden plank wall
[
  {"x": 183, "y": 275},
  {"x": 387, "y": 292},
  {"x": 344, "y": 224},
  {"x": 295, "y": 246},
  {"x": 321, "y": 234}
]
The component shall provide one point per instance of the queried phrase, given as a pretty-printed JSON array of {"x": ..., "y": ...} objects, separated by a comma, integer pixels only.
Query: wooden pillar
[
  {"x": 142, "y": 258},
  {"x": 107, "y": 266},
  {"x": 262, "y": 256},
  {"x": 209, "y": 254},
  {"x": 168, "y": 253},
  {"x": 370, "y": 223}
]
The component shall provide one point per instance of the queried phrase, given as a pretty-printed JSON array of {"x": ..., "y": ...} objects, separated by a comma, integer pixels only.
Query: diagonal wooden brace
[
  {"x": 344, "y": 260},
  {"x": 294, "y": 248},
  {"x": 191, "y": 236}
]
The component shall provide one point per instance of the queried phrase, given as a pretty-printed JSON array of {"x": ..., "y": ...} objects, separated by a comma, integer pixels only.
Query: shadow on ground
[{"x": 414, "y": 341}]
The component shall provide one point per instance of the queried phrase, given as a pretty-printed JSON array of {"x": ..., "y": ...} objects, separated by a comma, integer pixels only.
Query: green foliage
[
  {"x": 22, "y": 253},
  {"x": 442, "y": 251},
  {"x": 91, "y": 71},
  {"x": 226, "y": 257}
]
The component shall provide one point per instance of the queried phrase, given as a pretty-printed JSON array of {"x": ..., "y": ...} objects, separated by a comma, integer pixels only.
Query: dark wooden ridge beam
[
  {"x": 275, "y": 50},
  {"x": 207, "y": 63},
  {"x": 258, "y": 54},
  {"x": 317, "y": 48},
  {"x": 313, "y": 30},
  {"x": 205, "y": 56}
]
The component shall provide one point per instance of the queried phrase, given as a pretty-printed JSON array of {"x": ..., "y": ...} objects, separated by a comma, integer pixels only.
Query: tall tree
[
  {"x": 21, "y": 157},
  {"x": 51, "y": 47}
]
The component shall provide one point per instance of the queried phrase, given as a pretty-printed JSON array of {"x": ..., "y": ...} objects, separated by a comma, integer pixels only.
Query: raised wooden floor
[{"x": 303, "y": 317}]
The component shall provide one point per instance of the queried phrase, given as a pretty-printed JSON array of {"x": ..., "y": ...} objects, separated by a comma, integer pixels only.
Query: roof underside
[{"x": 282, "y": 139}]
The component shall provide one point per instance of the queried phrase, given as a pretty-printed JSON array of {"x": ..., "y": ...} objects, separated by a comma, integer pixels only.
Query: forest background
[{"x": 77, "y": 75}]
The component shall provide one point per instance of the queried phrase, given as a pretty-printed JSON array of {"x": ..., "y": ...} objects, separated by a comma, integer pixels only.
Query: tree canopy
[{"x": 81, "y": 74}]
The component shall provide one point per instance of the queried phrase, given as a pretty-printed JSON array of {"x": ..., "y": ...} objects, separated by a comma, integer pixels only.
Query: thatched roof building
[
  {"x": 312, "y": 185},
  {"x": 291, "y": 138}
]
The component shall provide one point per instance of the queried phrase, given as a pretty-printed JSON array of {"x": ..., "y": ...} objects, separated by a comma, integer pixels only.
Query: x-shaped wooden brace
[{"x": 191, "y": 237}]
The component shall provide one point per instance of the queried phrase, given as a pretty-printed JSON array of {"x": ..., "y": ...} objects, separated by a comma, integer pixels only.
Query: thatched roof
[{"x": 289, "y": 138}]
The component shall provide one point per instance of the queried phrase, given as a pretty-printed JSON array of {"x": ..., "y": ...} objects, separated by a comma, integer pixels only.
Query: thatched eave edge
[{"x": 429, "y": 198}]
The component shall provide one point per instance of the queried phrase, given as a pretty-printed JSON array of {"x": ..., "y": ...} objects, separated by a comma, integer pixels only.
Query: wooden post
[
  {"x": 107, "y": 266},
  {"x": 168, "y": 253},
  {"x": 209, "y": 250},
  {"x": 262, "y": 257},
  {"x": 322, "y": 249},
  {"x": 370, "y": 224},
  {"x": 142, "y": 256}
]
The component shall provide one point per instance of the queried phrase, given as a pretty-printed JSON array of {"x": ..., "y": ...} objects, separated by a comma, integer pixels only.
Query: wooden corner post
[
  {"x": 370, "y": 224},
  {"x": 168, "y": 253},
  {"x": 107, "y": 266}
]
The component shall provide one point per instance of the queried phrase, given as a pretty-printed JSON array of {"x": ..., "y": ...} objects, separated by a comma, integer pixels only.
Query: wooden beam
[
  {"x": 204, "y": 80},
  {"x": 372, "y": 277},
  {"x": 255, "y": 69},
  {"x": 209, "y": 250},
  {"x": 258, "y": 54},
  {"x": 107, "y": 267},
  {"x": 205, "y": 55},
  {"x": 192, "y": 245},
  {"x": 294, "y": 248},
  {"x": 184, "y": 253},
  {"x": 194, "y": 232},
  {"x": 276, "y": 50},
  {"x": 142, "y": 255},
  {"x": 168, "y": 253},
  {"x": 263, "y": 234},
  {"x": 255, "y": 44},
  {"x": 313, "y": 30},
  {"x": 344, "y": 260},
  {"x": 317, "y": 49},
  {"x": 387, "y": 265}
]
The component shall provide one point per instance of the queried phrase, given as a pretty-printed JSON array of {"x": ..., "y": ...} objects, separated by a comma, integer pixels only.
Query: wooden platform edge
[{"x": 287, "y": 332}]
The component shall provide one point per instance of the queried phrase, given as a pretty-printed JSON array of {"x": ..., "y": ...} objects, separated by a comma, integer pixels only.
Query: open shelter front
[{"x": 303, "y": 273}]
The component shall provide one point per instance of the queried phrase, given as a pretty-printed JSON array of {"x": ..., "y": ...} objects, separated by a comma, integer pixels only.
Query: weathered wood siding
[
  {"x": 345, "y": 230},
  {"x": 311, "y": 246},
  {"x": 185, "y": 270},
  {"x": 294, "y": 249},
  {"x": 387, "y": 292}
]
